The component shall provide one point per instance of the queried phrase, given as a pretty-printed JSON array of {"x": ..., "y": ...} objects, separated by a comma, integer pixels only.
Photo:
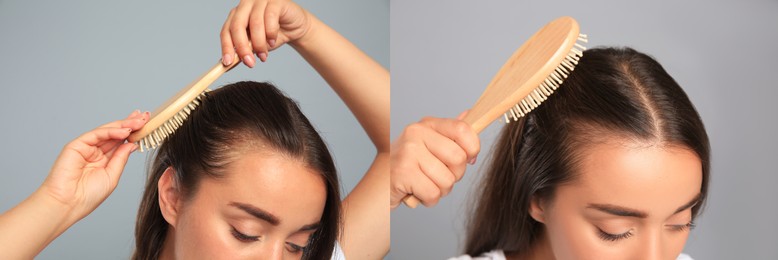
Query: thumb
[
  {"x": 463, "y": 114},
  {"x": 117, "y": 162}
]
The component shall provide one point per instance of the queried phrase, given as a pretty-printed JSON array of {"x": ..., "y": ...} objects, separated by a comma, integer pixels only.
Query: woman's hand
[
  {"x": 88, "y": 168},
  {"x": 259, "y": 26},
  {"x": 429, "y": 157},
  {"x": 85, "y": 173}
]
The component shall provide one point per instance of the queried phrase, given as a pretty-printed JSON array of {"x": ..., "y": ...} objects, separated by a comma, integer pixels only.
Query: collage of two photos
[{"x": 388, "y": 129}]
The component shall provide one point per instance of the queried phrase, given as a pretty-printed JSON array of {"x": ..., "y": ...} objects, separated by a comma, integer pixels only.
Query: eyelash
[
  {"x": 243, "y": 237},
  {"x": 246, "y": 238},
  {"x": 687, "y": 226},
  {"x": 615, "y": 237},
  {"x": 295, "y": 248}
]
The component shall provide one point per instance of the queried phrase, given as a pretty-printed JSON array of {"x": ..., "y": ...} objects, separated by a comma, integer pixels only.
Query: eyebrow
[
  {"x": 628, "y": 212},
  {"x": 267, "y": 216},
  {"x": 257, "y": 212}
]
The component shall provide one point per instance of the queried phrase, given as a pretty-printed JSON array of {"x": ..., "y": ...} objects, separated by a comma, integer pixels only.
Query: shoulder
[
  {"x": 491, "y": 255},
  {"x": 337, "y": 253}
]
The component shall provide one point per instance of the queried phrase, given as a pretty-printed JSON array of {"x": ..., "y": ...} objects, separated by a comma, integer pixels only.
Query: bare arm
[
  {"x": 85, "y": 173},
  {"x": 363, "y": 85}
]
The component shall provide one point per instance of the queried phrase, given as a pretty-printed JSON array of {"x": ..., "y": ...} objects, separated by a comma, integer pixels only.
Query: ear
[
  {"x": 537, "y": 210},
  {"x": 169, "y": 196}
]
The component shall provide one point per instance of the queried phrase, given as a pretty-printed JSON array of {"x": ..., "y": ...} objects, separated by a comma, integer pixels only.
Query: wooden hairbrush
[
  {"x": 529, "y": 76},
  {"x": 169, "y": 116}
]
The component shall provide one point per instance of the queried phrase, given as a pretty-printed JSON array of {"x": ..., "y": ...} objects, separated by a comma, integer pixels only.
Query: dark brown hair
[
  {"x": 228, "y": 121},
  {"x": 612, "y": 91}
]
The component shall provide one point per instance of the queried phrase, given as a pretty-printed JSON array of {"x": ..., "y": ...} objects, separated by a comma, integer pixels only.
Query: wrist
[
  {"x": 310, "y": 33},
  {"x": 60, "y": 213}
]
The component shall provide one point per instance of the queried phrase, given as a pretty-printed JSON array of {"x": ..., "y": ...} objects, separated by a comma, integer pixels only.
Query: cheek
[
  {"x": 202, "y": 234},
  {"x": 571, "y": 236},
  {"x": 675, "y": 243}
]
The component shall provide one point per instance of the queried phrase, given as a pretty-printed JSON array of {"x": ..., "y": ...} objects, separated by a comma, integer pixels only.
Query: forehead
[
  {"x": 284, "y": 186},
  {"x": 652, "y": 177}
]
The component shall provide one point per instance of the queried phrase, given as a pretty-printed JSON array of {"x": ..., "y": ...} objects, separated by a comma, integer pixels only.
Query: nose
[
  {"x": 651, "y": 248},
  {"x": 273, "y": 250}
]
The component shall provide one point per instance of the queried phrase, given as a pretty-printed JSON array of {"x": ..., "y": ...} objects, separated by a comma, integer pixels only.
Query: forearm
[
  {"x": 363, "y": 85},
  {"x": 366, "y": 214},
  {"x": 361, "y": 82},
  {"x": 28, "y": 228}
]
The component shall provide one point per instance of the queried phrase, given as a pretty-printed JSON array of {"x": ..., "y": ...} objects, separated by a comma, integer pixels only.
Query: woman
[
  {"x": 247, "y": 176},
  {"x": 615, "y": 165}
]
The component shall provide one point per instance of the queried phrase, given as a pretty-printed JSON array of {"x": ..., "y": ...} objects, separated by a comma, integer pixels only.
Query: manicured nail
[
  {"x": 227, "y": 59},
  {"x": 263, "y": 56},
  {"x": 272, "y": 43},
  {"x": 472, "y": 161},
  {"x": 248, "y": 60},
  {"x": 134, "y": 147},
  {"x": 128, "y": 129}
]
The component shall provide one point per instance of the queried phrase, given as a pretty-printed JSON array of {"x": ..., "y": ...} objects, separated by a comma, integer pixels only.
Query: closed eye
[
  {"x": 613, "y": 237},
  {"x": 294, "y": 248},
  {"x": 243, "y": 237},
  {"x": 684, "y": 227}
]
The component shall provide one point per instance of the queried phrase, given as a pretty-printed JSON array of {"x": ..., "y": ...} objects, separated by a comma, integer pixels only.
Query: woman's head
[
  {"x": 614, "y": 165},
  {"x": 245, "y": 176}
]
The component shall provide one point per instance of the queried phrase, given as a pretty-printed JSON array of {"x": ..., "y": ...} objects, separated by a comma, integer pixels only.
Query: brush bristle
[
  {"x": 549, "y": 85},
  {"x": 156, "y": 137}
]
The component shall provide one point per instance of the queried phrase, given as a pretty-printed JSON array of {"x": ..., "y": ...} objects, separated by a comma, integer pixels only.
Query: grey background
[
  {"x": 69, "y": 66},
  {"x": 722, "y": 53}
]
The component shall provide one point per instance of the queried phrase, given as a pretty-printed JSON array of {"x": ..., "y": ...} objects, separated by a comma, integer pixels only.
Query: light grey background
[
  {"x": 723, "y": 53},
  {"x": 69, "y": 66}
]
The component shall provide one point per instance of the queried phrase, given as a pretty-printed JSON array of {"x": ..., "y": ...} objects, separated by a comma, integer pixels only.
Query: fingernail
[
  {"x": 272, "y": 43},
  {"x": 472, "y": 161},
  {"x": 128, "y": 129},
  {"x": 134, "y": 147},
  {"x": 227, "y": 59},
  {"x": 263, "y": 56},
  {"x": 248, "y": 60}
]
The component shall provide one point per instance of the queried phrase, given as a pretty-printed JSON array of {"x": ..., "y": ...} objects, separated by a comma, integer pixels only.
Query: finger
[
  {"x": 425, "y": 190},
  {"x": 108, "y": 147},
  {"x": 407, "y": 177},
  {"x": 100, "y": 136},
  {"x": 463, "y": 114},
  {"x": 447, "y": 152},
  {"x": 257, "y": 29},
  {"x": 87, "y": 145},
  {"x": 238, "y": 29},
  {"x": 134, "y": 113},
  {"x": 272, "y": 14},
  {"x": 118, "y": 123},
  {"x": 228, "y": 49},
  {"x": 456, "y": 130},
  {"x": 436, "y": 171},
  {"x": 420, "y": 186},
  {"x": 136, "y": 123},
  {"x": 118, "y": 160}
]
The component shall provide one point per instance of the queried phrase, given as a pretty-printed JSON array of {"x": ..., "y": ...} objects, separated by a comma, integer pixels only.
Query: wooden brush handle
[
  {"x": 175, "y": 104},
  {"x": 524, "y": 71}
]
